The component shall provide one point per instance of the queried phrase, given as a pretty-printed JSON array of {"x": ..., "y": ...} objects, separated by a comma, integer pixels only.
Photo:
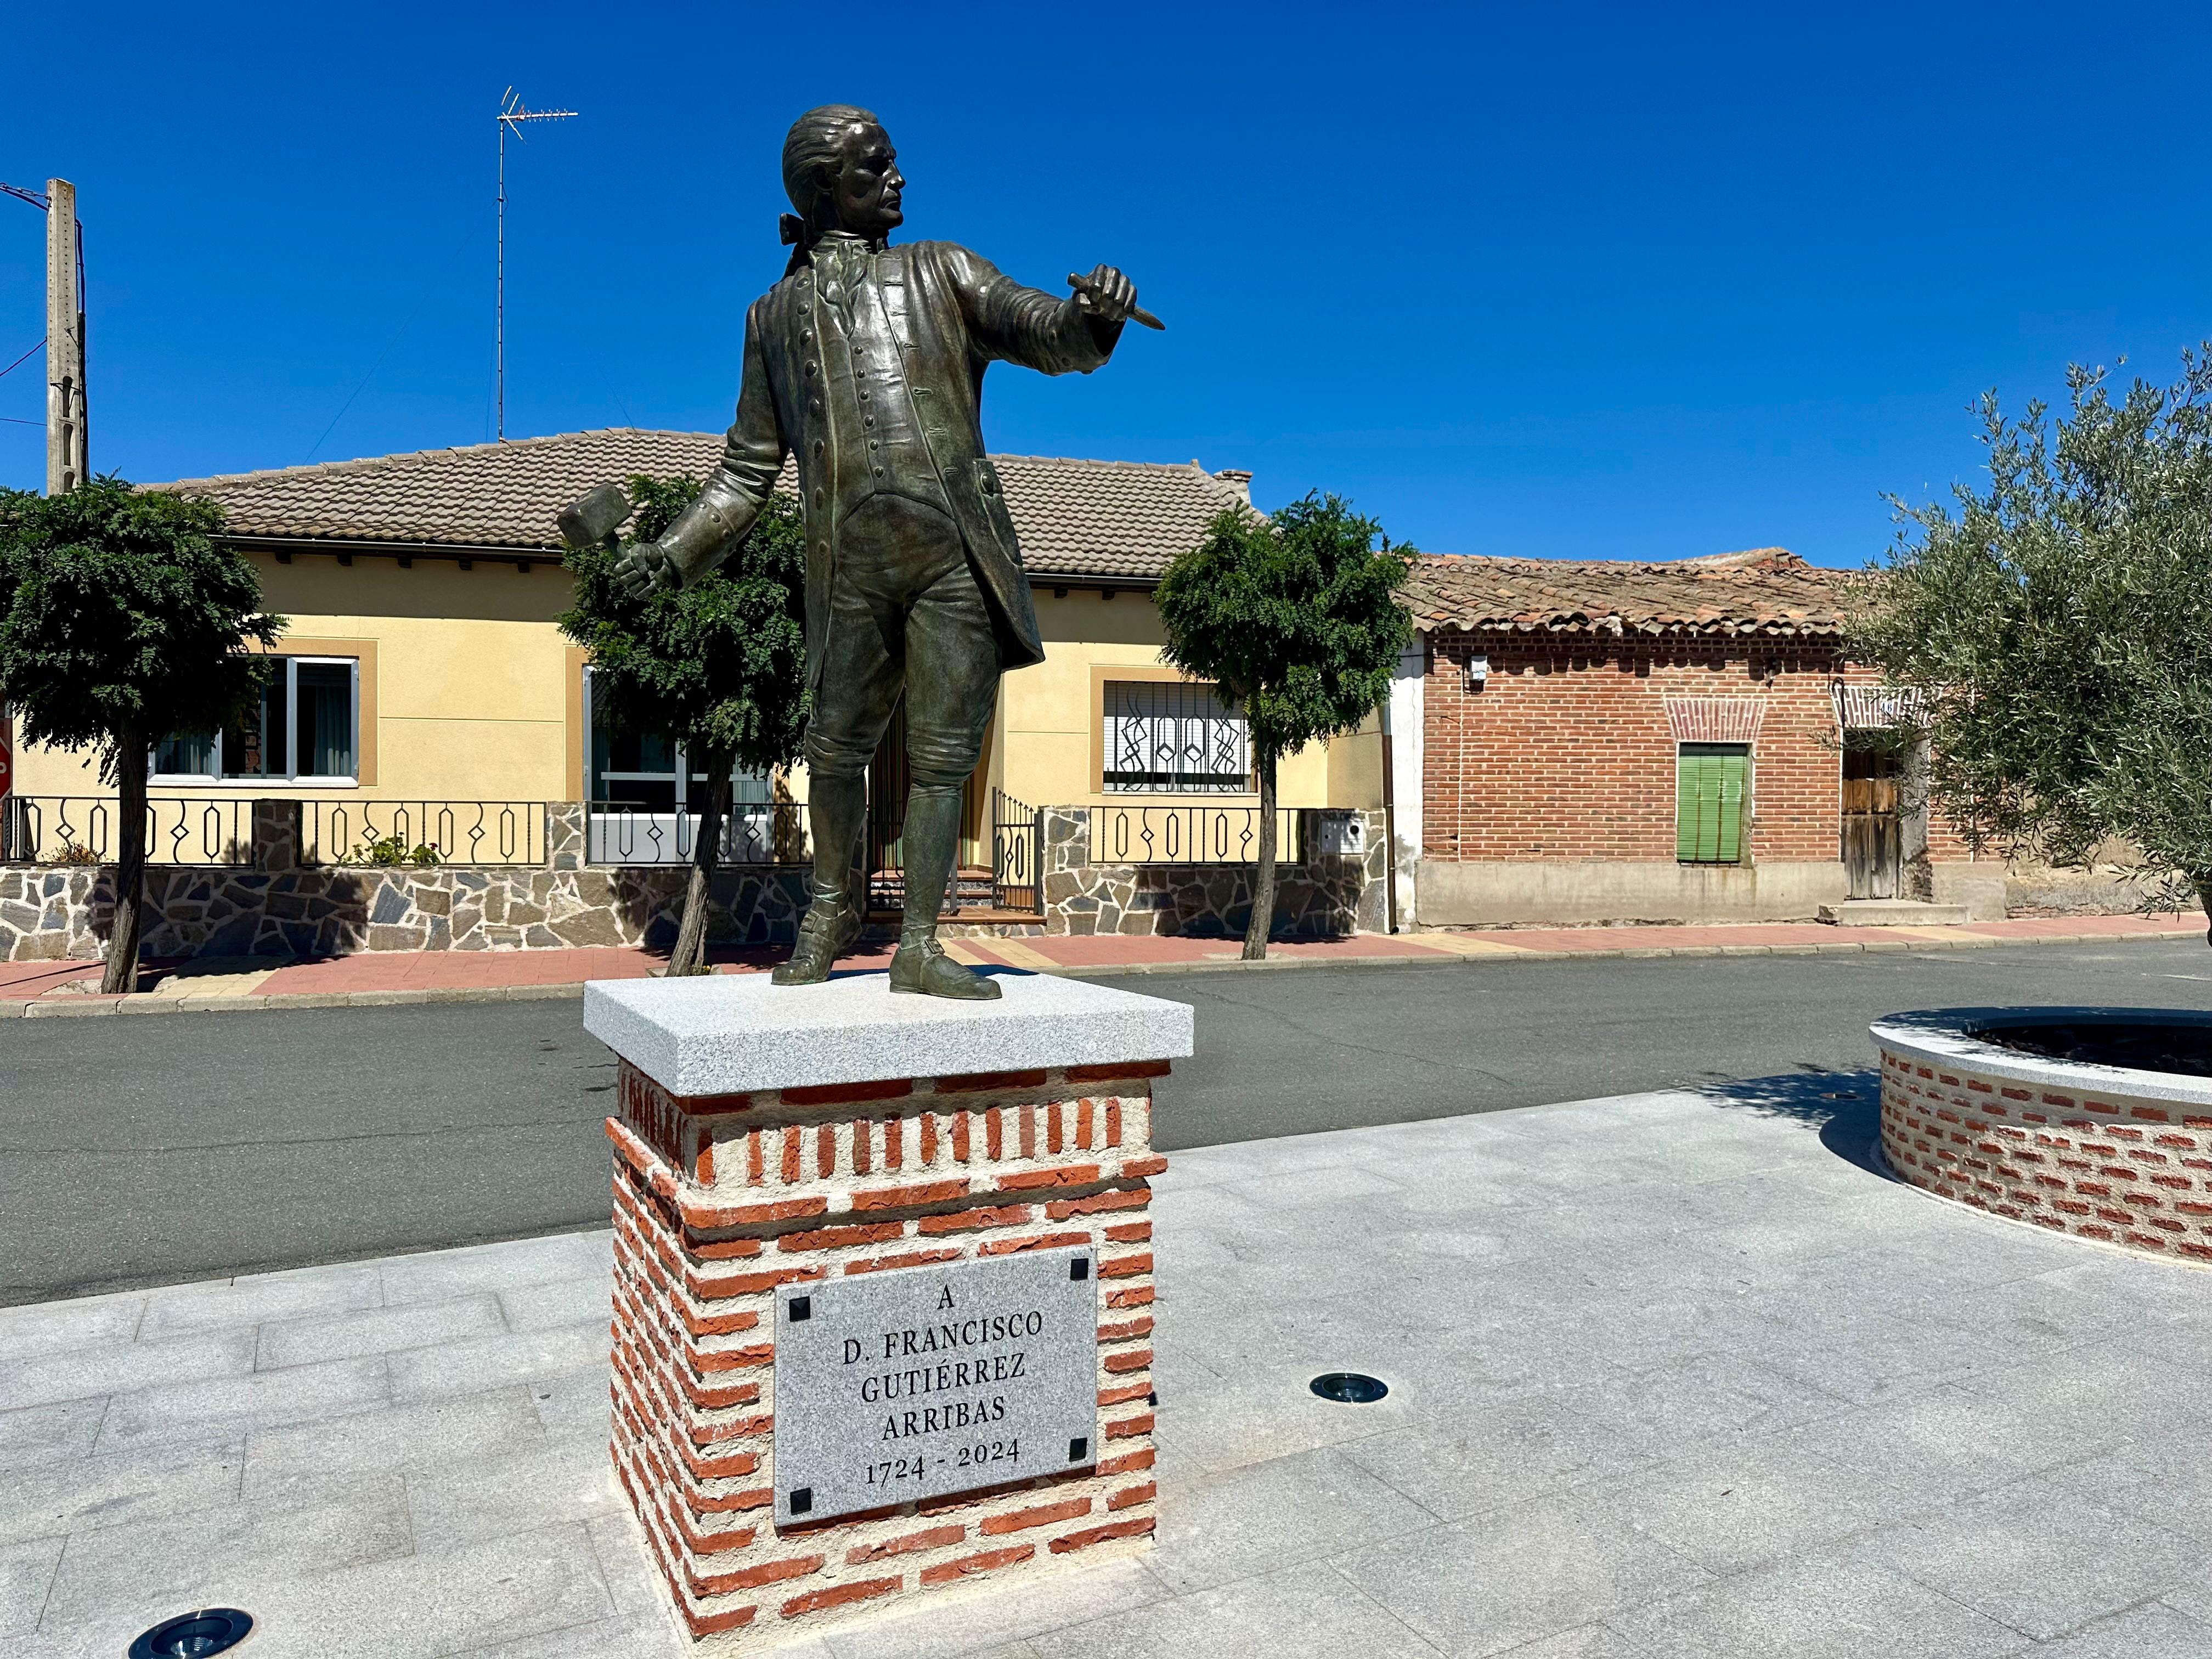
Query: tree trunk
[
  {"x": 1263, "y": 877},
  {"x": 2204, "y": 898},
  {"x": 689, "y": 956},
  {"x": 122, "y": 971}
]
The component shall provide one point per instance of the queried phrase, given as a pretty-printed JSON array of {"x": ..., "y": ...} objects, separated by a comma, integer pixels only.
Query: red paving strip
[
  {"x": 442, "y": 970},
  {"x": 1576, "y": 940},
  {"x": 1117, "y": 950},
  {"x": 494, "y": 970},
  {"x": 30, "y": 979},
  {"x": 2119, "y": 927},
  {"x": 1122, "y": 950},
  {"x": 430, "y": 970}
]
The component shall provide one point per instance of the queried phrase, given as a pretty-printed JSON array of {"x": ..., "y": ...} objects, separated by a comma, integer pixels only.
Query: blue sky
[{"x": 1560, "y": 281}]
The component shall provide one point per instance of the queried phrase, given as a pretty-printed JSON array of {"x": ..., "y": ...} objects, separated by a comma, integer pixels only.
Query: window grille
[{"x": 1175, "y": 738}]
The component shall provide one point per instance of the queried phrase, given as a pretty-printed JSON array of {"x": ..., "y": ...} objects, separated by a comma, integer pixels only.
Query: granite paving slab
[{"x": 1670, "y": 1375}]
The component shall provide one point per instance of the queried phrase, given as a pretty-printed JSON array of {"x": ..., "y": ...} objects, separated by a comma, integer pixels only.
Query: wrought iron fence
[
  {"x": 1190, "y": 835},
  {"x": 62, "y": 829},
  {"x": 755, "y": 832},
  {"x": 1017, "y": 854},
  {"x": 422, "y": 832},
  {"x": 1012, "y": 882}
]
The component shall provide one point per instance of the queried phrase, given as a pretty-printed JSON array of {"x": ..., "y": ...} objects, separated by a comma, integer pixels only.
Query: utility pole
[
  {"x": 66, "y": 439},
  {"x": 512, "y": 113},
  {"x": 66, "y": 444}
]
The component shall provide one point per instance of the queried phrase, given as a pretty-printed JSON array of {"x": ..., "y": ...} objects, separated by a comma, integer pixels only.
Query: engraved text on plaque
[{"x": 924, "y": 1382}]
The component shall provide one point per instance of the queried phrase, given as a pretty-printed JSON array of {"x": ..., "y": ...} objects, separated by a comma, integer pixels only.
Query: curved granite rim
[{"x": 1945, "y": 1035}]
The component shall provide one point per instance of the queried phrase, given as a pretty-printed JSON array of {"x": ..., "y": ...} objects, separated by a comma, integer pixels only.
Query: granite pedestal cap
[{"x": 731, "y": 1033}]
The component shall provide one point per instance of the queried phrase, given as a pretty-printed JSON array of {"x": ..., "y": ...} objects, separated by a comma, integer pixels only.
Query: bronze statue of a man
[{"x": 867, "y": 362}]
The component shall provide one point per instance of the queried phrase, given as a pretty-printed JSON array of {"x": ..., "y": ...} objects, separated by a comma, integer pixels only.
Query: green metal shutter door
[
  {"x": 1689, "y": 781},
  {"x": 1729, "y": 808},
  {"x": 1708, "y": 803}
]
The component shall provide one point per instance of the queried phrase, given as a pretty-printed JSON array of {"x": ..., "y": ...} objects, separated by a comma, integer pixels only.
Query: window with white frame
[
  {"x": 304, "y": 727},
  {"x": 1174, "y": 737},
  {"x": 636, "y": 772},
  {"x": 645, "y": 795}
]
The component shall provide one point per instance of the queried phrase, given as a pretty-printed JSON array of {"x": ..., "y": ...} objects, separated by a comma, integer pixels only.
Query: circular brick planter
[{"x": 2102, "y": 1151}]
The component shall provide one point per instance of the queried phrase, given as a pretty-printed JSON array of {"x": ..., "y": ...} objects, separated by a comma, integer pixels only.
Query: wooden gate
[{"x": 1871, "y": 846}]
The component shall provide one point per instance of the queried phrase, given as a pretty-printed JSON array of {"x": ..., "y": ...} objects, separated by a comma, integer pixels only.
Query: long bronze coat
[{"x": 954, "y": 314}]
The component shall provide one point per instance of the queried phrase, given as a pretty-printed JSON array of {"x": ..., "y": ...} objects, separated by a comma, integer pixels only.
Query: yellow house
[{"x": 427, "y": 693}]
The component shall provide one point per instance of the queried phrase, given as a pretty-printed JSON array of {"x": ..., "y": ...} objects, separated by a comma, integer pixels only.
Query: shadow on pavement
[{"x": 1845, "y": 1107}]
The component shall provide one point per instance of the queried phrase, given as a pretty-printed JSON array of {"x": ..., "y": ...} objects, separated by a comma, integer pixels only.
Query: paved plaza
[{"x": 1672, "y": 1375}]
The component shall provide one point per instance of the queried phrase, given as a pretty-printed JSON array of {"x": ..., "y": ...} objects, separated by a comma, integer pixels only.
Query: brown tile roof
[
  {"x": 1077, "y": 518},
  {"x": 1768, "y": 590}
]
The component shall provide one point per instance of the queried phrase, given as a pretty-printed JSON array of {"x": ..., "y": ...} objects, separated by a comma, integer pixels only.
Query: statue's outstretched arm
[{"x": 1027, "y": 325}]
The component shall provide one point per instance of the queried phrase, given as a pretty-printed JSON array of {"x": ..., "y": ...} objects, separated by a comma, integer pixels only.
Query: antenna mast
[{"x": 512, "y": 113}]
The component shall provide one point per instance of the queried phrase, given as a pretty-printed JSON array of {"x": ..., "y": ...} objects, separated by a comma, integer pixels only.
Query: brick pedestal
[{"x": 769, "y": 1136}]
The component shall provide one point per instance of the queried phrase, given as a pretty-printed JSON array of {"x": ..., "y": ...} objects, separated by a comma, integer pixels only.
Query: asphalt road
[{"x": 149, "y": 1150}]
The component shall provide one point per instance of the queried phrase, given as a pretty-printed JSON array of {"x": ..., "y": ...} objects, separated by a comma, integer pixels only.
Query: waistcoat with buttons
[
  {"x": 864, "y": 380},
  {"x": 914, "y": 328}
]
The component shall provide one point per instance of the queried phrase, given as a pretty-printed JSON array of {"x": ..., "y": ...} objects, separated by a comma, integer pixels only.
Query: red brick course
[
  {"x": 715, "y": 1208},
  {"x": 2050, "y": 1158},
  {"x": 1568, "y": 752}
]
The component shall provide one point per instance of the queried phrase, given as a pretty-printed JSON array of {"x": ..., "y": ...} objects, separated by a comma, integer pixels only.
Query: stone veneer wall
[
  {"x": 2119, "y": 1168},
  {"x": 276, "y": 907},
  {"x": 1320, "y": 898},
  {"x": 720, "y": 1199},
  {"x": 50, "y": 915}
]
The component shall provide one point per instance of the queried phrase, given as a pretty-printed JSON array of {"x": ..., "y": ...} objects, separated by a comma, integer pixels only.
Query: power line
[
  {"x": 25, "y": 358},
  {"x": 398, "y": 334}
]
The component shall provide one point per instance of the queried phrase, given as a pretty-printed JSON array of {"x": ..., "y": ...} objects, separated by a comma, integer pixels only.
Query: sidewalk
[
  {"x": 399, "y": 977},
  {"x": 1672, "y": 1376}
]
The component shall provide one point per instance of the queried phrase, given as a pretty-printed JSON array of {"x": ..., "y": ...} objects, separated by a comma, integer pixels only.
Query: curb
[
  {"x": 148, "y": 1003},
  {"x": 1636, "y": 954}
]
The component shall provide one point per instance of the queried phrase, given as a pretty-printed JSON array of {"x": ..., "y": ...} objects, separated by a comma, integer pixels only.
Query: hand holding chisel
[{"x": 1112, "y": 297}]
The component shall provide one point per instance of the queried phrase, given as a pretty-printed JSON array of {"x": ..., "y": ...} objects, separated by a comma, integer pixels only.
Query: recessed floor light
[
  {"x": 1350, "y": 1387},
  {"x": 194, "y": 1634}
]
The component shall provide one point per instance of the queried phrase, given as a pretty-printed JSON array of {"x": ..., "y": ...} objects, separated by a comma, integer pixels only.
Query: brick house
[{"x": 1599, "y": 741}]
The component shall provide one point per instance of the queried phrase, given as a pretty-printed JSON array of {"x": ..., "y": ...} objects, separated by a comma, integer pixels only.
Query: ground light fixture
[
  {"x": 1350, "y": 1387},
  {"x": 194, "y": 1634}
]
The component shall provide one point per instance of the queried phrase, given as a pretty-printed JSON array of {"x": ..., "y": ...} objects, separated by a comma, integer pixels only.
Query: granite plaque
[{"x": 924, "y": 1382}]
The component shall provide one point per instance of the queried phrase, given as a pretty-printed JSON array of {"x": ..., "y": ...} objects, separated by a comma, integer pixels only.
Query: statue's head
[{"x": 841, "y": 173}]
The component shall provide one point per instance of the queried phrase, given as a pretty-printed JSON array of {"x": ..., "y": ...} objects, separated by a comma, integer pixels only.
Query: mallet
[{"x": 592, "y": 519}]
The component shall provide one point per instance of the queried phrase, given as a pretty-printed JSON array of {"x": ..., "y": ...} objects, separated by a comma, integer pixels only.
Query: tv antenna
[{"x": 512, "y": 113}]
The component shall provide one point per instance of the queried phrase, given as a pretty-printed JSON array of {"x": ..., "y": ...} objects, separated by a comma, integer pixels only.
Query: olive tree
[
  {"x": 124, "y": 620},
  {"x": 1296, "y": 617},
  {"x": 719, "y": 667},
  {"x": 2054, "y": 628}
]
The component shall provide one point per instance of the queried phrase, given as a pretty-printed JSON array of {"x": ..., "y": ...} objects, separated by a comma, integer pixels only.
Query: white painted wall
[{"x": 1404, "y": 727}]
